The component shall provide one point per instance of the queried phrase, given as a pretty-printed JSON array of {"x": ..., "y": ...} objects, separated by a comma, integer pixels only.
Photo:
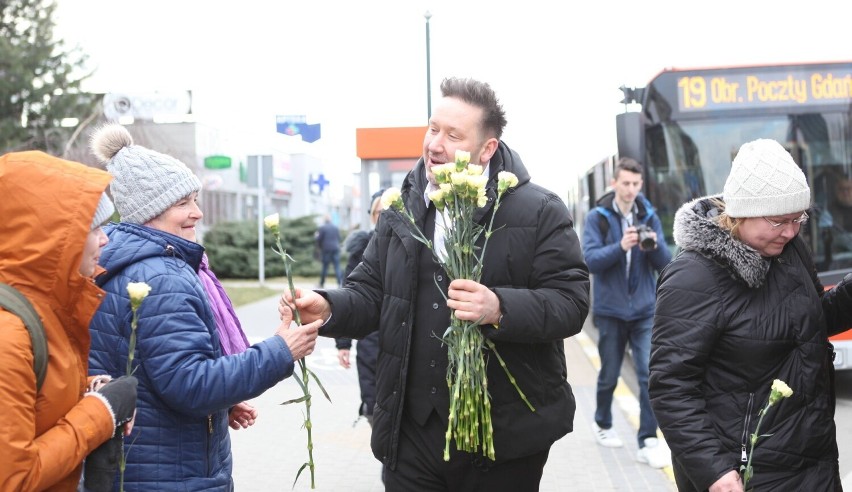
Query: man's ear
[{"x": 488, "y": 150}]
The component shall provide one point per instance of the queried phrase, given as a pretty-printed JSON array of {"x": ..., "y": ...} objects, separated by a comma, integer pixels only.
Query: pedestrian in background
[
  {"x": 189, "y": 388},
  {"x": 739, "y": 307},
  {"x": 533, "y": 295},
  {"x": 368, "y": 347},
  {"x": 328, "y": 242},
  {"x": 625, "y": 248},
  {"x": 52, "y": 213}
]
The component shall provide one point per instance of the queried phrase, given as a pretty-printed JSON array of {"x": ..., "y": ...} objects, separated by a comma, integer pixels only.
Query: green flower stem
[
  {"x": 509, "y": 374},
  {"x": 131, "y": 351},
  {"x": 306, "y": 373},
  {"x": 748, "y": 471},
  {"x": 775, "y": 395},
  {"x": 131, "y": 345},
  {"x": 469, "y": 423}
]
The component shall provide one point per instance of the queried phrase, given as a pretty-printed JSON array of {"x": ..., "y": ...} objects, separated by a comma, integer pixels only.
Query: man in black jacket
[
  {"x": 535, "y": 286},
  {"x": 328, "y": 242},
  {"x": 368, "y": 347}
]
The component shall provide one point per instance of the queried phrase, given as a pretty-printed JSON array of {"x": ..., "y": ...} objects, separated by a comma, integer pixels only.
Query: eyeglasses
[{"x": 801, "y": 220}]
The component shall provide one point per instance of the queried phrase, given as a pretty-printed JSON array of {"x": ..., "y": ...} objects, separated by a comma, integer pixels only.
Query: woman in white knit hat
[
  {"x": 740, "y": 307},
  {"x": 194, "y": 367}
]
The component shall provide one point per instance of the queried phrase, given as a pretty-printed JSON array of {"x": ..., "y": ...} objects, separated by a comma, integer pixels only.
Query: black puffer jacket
[
  {"x": 368, "y": 347},
  {"x": 728, "y": 322},
  {"x": 535, "y": 266}
]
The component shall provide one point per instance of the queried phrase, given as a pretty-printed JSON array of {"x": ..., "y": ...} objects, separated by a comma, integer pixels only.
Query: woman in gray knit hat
[
  {"x": 193, "y": 363},
  {"x": 738, "y": 308}
]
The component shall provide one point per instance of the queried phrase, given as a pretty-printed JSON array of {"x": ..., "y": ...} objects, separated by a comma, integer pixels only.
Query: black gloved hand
[
  {"x": 121, "y": 395},
  {"x": 102, "y": 464}
]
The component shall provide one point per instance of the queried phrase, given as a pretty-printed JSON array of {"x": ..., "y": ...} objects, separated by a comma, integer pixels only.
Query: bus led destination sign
[{"x": 763, "y": 89}]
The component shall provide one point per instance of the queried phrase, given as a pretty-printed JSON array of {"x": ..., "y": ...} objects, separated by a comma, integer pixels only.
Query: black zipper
[
  {"x": 209, "y": 440},
  {"x": 746, "y": 424}
]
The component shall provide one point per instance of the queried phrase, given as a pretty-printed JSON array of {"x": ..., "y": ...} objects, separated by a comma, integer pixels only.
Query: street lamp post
[{"x": 428, "y": 15}]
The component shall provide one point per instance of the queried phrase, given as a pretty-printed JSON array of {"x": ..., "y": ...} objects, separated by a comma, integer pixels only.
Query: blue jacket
[
  {"x": 613, "y": 294},
  {"x": 180, "y": 439}
]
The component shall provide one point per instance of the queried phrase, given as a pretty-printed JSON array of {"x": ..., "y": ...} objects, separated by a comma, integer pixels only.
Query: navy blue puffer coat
[{"x": 186, "y": 386}]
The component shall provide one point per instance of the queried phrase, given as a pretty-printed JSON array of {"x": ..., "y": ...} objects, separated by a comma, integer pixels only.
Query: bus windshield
[
  {"x": 691, "y": 158},
  {"x": 693, "y": 122}
]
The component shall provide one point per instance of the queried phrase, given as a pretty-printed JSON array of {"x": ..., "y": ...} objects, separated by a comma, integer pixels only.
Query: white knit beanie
[
  {"x": 146, "y": 183},
  {"x": 765, "y": 182},
  {"x": 103, "y": 212}
]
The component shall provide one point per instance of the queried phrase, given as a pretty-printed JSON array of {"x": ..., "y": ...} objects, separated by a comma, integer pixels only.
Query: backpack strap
[
  {"x": 603, "y": 223},
  {"x": 15, "y": 302}
]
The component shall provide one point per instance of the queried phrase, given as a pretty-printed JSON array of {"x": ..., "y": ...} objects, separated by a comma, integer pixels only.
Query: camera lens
[{"x": 646, "y": 242}]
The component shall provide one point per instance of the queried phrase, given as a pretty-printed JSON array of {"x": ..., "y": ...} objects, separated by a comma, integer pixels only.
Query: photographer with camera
[{"x": 625, "y": 250}]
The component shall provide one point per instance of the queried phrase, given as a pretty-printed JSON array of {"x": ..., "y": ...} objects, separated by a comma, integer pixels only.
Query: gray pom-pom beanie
[
  {"x": 146, "y": 183},
  {"x": 765, "y": 182}
]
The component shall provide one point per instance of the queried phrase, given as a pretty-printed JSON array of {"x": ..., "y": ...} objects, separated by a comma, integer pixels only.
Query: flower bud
[
  {"x": 506, "y": 180},
  {"x": 392, "y": 198},
  {"x": 437, "y": 198},
  {"x": 272, "y": 222},
  {"x": 462, "y": 159},
  {"x": 779, "y": 390},
  {"x": 137, "y": 291}
]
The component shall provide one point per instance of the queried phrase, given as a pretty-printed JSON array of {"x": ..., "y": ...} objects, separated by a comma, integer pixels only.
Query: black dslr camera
[{"x": 646, "y": 241}]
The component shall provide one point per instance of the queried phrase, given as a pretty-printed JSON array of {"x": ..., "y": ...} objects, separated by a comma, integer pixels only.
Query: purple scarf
[{"x": 231, "y": 334}]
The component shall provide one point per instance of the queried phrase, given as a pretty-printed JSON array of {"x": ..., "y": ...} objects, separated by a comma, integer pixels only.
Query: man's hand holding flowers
[
  {"x": 312, "y": 306},
  {"x": 301, "y": 342},
  {"x": 471, "y": 301}
]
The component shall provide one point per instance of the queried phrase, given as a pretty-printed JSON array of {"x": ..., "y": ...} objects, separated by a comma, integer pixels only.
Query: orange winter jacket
[{"x": 46, "y": 210}]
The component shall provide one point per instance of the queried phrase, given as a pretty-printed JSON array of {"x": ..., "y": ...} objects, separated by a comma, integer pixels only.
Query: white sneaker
[
  {"x": 656, "y": 453},
  {"x": 606, "y": 437}
]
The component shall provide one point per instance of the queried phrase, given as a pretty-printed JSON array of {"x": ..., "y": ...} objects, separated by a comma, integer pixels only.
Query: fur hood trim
[{"x": 696, "y": 229}]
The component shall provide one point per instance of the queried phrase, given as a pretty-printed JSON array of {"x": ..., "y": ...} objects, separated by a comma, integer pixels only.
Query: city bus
[{"x": 693, "y": 121}]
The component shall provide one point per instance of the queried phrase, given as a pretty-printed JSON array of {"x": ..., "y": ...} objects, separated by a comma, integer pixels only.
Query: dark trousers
[
  {"x": 421, "y": 466},
  {"x": 331, "y": 258}
]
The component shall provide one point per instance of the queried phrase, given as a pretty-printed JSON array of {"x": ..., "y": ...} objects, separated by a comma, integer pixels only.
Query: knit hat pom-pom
[{"x": 108, "y": 140}]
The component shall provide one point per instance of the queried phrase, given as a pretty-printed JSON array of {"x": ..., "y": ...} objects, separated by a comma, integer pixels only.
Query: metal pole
[
  {"x": 428, "y": 15},
  {"x": 261, "y": 266}
]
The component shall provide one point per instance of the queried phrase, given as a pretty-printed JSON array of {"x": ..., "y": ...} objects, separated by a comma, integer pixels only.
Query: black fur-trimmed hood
[{"x": 695, "y": 229}]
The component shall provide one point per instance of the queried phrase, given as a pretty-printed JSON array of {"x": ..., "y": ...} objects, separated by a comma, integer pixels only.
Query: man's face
[
  {"x": 843, "y": 192},
  {"x": 455, "y": 125},
  {"x": 627, "y": 186}
]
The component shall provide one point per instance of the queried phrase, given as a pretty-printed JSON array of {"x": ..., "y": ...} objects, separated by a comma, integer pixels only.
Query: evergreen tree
[
  {"x": 39, "y": 81},
  {"x": 232, "y": 248}
]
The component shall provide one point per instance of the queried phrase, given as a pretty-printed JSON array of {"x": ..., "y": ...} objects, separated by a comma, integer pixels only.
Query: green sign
[{"x": 217, "y": 162}]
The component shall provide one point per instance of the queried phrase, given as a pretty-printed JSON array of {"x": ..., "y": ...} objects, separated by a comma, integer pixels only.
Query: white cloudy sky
[{"x": 556, "y": 65}]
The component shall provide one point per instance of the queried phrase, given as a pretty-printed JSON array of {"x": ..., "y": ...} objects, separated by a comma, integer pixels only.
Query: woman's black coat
[{"x": 728, "y": 322}]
